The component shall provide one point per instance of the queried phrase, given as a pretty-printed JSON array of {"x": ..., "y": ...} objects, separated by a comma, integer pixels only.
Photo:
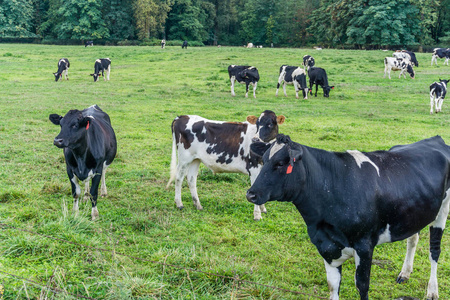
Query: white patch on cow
[
  {"x": 98, "y": 60},
  {"x": 385, "y": 237},
  {"x": 103, "y": 191},
  {"x": 333, "y": 280},
  {"x": 432, "y": 291},
  {"x": 275, "y": 148},
  {"x": 360, "y": 158},
  {"x": 77, "y": 186}
]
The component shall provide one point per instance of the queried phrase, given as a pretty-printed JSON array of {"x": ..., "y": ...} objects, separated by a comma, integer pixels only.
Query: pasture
[{"x": 148, "y": 88}]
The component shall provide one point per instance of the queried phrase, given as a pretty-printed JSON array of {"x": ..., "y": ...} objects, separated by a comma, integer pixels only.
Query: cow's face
[
  {"x": 326, "y": 90},
  {"x": 96, "y": 76},
  {"x": 57, "y": 76},
  {"x": 281, "y": 174},
  {"x": 410, "y": 70},
  {"x": 73, "y": 128},
  {"x": 266, "y": 125}
]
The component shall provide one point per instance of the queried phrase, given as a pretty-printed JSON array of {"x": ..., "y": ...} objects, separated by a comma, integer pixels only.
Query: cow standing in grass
[
  {"x": 396, "y": 64},
  {"x": 244, "y": 75},
  {"x": 318, "y": 76},
  {"x": 440, "y": 53},
  {"x": 437, "y": 94},
  {"x": 294, "y": 76},
  {"x": 89, "y": 145},
  {"x": 102, "y": 65},
  {"x": 63, "y": 68},
  {"x": 405, "y": 54}
]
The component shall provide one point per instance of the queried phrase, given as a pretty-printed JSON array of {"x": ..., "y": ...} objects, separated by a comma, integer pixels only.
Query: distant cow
[
  {"x": 163, "y": 43},
  {"x": 293, "y": 76},
  {"x": 395, "y": 64},
  {"x": 409, "y": 55},
  {"x": 437, "y": 94},
  {"x": 244, "y": 75},
  {"x": 184, "y": 46},
  {"x": 250, "y": 45},
  {"x": 318, "y": 76},
  {"x": 102, "y": 65},
  {"x": 440, "y": 53},
  {"x": 63, "y": 68},
  {"x": 224, "y": 147},
  {"x": 88, "y": 43},
  {"x": 90, "y": 146},
  {"x": 353, "y": 201},
  {"x": 308, "y": 61}
]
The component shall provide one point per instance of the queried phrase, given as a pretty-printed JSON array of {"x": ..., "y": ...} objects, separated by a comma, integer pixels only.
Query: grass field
[{"x": 149, "y": 87}]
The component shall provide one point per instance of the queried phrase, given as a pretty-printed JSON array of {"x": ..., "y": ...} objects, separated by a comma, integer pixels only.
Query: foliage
[
  {"x": 16, "y": 18},
  {"x": 150, "y": 16}
]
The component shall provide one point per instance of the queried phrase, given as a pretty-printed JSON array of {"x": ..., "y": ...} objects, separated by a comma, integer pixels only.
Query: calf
[
  {"x": 353, "y": 201},
  {"x": 224, "y": 147},
  {"x": 184, "y": 46},
  {"x": 308, "y": 62},
  {"x": 440, "y": 53},
  {"x": 88, "y": 43},
  {"x": 243, "y": 74},
  {"x": 437, "y": 94},
  {"x": 63, "y": 68},
  {"x": 102, "y": 65},
  {"x": 395, "y": 64},
  {"x": 405, "y": 54},
  {"x": 90, "y": 146},
  {"x": 318, "y": 76},
  {"x": 293, "y": 75}
]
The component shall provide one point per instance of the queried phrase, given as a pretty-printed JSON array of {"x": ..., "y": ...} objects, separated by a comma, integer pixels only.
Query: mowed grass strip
[{"x": 149, "y": 87}]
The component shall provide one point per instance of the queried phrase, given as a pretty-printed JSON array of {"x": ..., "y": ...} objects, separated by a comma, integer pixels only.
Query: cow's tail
[{"x": 173, "y": 162}]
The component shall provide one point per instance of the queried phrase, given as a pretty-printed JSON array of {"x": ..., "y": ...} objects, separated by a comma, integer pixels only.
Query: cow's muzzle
[
  {"x": 251, "y": 197},
  {"x": 58, "y": 143}
]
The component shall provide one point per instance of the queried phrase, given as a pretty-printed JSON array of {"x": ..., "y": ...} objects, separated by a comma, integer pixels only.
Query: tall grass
[{"x": 149, "y": 87}]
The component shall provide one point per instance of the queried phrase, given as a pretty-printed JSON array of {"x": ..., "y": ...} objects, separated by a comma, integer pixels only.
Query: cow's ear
[
  {"x": 84, "y": 122},
  {"x": 55, "y": 119},
  {"x": 440, "y": 79},
  {"x": 280, "y": 119},
  {"x": 252, "y": 119},
  {"x": 259, "y": 148},
  {"x": 295, "y": 155},
  {"x": 91, "y": 74}
]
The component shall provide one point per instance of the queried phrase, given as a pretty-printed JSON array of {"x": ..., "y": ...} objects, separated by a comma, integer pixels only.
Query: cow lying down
[
  {"x": 224, "y": 147},
  {"x": 354, "y": 201}
]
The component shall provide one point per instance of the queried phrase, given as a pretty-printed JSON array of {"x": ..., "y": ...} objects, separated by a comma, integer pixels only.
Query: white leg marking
[
  {"x": 407, "y": 268},
  {"x": 94, "y": 213},
  {"x": 232, "y": 85},
  {"x": 333, "y": 280},
  {"x": 104, "y": 192},
  {"x": 254, "y": 90},
  {"x": 192, "y": 182}
]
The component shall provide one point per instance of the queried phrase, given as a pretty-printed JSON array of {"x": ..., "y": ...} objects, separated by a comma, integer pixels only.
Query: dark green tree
[
  {"x": 150, "y": 17},
  {"x": 119, "y": 19},
  {"x": 17, "y": 18}
]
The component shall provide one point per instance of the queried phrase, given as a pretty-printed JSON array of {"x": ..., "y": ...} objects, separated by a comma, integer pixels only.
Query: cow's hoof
[
  {"x": 401, "y": 279},
  {"x": 180, "y": 207}
]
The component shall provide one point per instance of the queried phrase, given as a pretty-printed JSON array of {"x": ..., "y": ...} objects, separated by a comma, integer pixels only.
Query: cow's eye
[
  {"x": 280, "y": 164},
  {"x": 75, "y": 125}
]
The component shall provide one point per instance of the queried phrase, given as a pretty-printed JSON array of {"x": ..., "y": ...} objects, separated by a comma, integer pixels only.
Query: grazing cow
[
  {"x": 318, "y": 76},
  {"x": 308, "y": 61},
  {"x": 224, "y": 147},
  {"x": 102, "y": 65},
  {"x": 437, "y": 94},
  {"x": 440, "y": 53},
  {"x": 163, "y": 43},
  {"x": 184, "y": 46},
  {"x": 353, "y": 201},
  {"x": 250, "y": 45},
  {"x": 243, "y": 74},
  {"x": 88, "y": 43},
  {"x": 90, "y": 146},
  {"x": 293, "y": 75},
  {"x": 395, "y": 64},
  {"x": 409, "y": 55},
  {"x": 63, "y": 68}
]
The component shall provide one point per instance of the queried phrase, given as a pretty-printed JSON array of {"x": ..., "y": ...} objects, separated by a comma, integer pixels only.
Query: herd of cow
[
  {"x": 102, "y": 65},
  {"x": 350, "y": 201}
]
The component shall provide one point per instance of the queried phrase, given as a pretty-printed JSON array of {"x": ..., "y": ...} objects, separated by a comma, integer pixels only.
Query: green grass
[{"x": 149, "y": 87}]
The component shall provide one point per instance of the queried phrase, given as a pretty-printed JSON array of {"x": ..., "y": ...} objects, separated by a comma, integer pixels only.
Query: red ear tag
[
  {"x": 87, "y": 126},
  {"x": 289, "y": 169}
]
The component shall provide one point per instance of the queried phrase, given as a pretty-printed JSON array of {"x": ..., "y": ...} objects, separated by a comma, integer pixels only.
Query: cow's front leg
[
  {"x": 76, "y": 191},
  {"x": 334, "y": 275},
  {"x": 407, "y": 268},
  {"x": 440, "y": 100},
  {"x": 317, "y": 87},
  {"x": 363, "y": 261},
  {"x": 94, "y": 195},
  {"x": 254, "y": 89},
  {"x": 310, "y": 87},
  {"x": 284, "y": 89},
  {"x": 278, "y": 87},
  {"x": 103, "y": 191},
  {"x": 246, "y": 89},
  {"x": 431, "y": 104},
  {"x": 232, "y": 79},
  {"x": 192, "y": 182}
]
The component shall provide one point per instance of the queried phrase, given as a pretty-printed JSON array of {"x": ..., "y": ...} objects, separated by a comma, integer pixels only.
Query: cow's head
[
  {"x": 73, "y": 128},
  {"x": 57, "y": 76},
  {"x": 251, "y": 73},
  {"x": 444, "y": 81},
  {"x": 410, "y": 70},
  {"x": 266, "y": 125},
  {"x": 326, "y": 90},
  {"x": 96, "y": 76},
  {"x": 282, "y": 170},
  {"x": 301, "y": 80}
]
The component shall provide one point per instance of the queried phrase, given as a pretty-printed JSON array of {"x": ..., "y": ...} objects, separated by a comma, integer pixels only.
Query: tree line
[{"x": 326, "y": 23}]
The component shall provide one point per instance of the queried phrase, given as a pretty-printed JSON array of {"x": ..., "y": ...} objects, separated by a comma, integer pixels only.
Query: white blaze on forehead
[
  {"x": 360, "y": 158},
  {"x": 275, "y": 148}
]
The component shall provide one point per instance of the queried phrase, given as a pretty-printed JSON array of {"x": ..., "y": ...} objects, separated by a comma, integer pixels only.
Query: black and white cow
[
  {"x": 224, "y": 147},
  {"x": 184, "y": 46},
  {"x": 440, "y": 53},
  {"x": 163, "y": 43},
  {"x": 88, "y": 43},
  {"x": 244, "y": 75},
  {"x": 437, "y": 94},
  {"x": 318, "y": 76},
  {"x": 102, "y": 65},
  {"x": 293, "y": 75},
  {"x": 395, "y": 64},
  {"x": 63, "y": 68},
  {"x": 90, "y": 146},
  {"x": 353, "y": 201},
  {"x": 308, "y": 61},
  {"x": 409, "y": 55}
]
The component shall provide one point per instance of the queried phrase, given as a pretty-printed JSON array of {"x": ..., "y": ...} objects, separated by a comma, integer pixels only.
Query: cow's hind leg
[
  {"x": 181, "y": 173},
  {"x": 363, "y": 261},
  {"x": 76, "y": 192},
  {"x": 431, "y": 102},
  {"x": 436, "y": 231},
  {"x": 103, "y": 191},
  {"x": 94, "y": 195},
  {"x": 192, "y": 182},
  {"x": 407, "y": 268},
  {"x": 254, "y": 89}
]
